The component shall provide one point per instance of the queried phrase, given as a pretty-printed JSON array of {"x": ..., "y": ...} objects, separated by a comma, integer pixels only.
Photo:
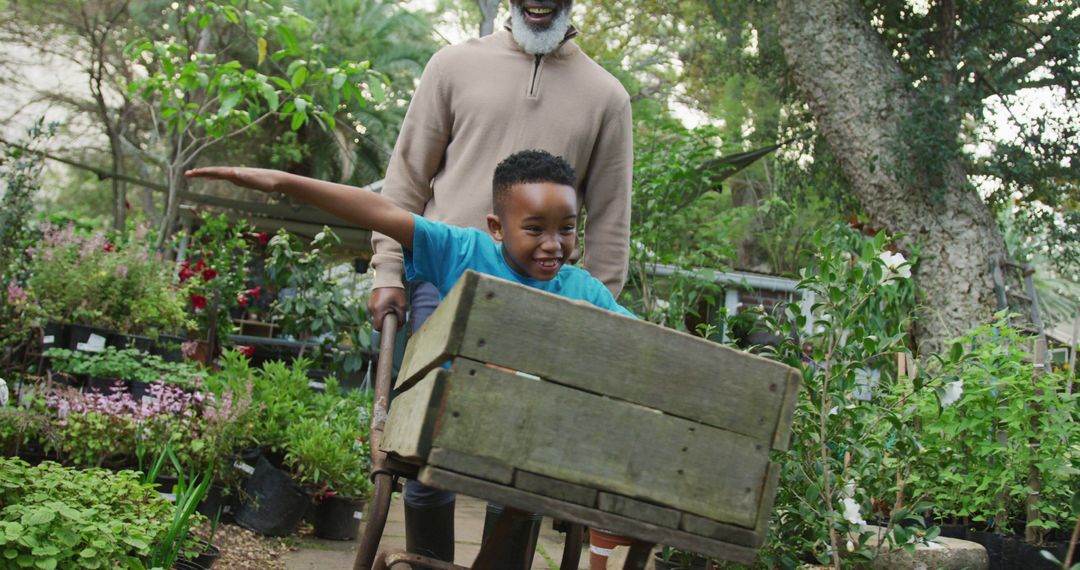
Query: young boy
[{"x": 533, "y": 229}]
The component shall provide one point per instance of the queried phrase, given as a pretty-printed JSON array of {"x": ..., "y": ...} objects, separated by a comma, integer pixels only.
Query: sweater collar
[{"x": 566, "y": 47}]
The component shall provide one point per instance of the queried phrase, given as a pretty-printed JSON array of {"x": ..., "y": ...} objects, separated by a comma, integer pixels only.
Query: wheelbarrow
[{"x": 552, "y": 406}]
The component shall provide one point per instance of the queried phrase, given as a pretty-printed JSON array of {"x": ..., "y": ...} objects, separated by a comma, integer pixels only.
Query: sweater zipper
[{"x": 535, "y": 76}]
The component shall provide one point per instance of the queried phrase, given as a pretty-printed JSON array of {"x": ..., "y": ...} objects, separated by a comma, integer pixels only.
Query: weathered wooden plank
[
  {"x": 602, "y": 352},
  {"x": 638, "y": 510},
  {"x": 548, "y": 487},
  {"x": 768, "y": 498},
  {"x": 782, "y": 434},
  {"x": 440, "y": 336},
  {"x": 412, "y": 418},
  {"x": 473, "y": 465},
  {"x": 619, "y": 524},
  {"x": 701, "y": 526},
  {"x": 606, "y": 444}
]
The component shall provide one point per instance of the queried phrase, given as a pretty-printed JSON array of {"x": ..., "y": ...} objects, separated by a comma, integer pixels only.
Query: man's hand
[
  {"x": 262, "y": 179},
  {"x": 385, "y": 300}
]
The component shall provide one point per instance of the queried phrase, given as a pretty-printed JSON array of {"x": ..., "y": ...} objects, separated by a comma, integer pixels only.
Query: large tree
[
  {"x": 892, "y": 99},
  {"x": 917, "y": 104}
]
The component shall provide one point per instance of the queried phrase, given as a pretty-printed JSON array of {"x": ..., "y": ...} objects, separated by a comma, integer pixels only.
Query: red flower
[
  {"x": 198, "y": 301},
  {"x": 241, "y": 299},
  {"x": 108, "y": 247},
  {"x": 263, "y": 238},
  {"x": 209, "y": 274},
  {"x": 254, "y": 293},
  {"x": 200, "y": 265},
  {"x": 186, "y": 274},
  {"x": 248, "y": 351}
]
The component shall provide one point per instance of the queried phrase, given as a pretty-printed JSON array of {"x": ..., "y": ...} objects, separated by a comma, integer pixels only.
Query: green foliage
[
  {"x": 56, "y": 517},
  {"x": 314, "y": 306},
  {"x": 215, "y": 274},
  {"x": 20, "y": 172},
  {"x": 328, "y": 448},
  {"x": 117, "y": 282},
  {"x": 680, "y": 218},
  {"x": 22, "y": 426},
  {"x": 123, "y": 364},
  {"x": 282, "y": 392},
  {"x": 189, "y": 491},
  {"x": 998, "y": 420},
  {"x": 853, "y": 433}
]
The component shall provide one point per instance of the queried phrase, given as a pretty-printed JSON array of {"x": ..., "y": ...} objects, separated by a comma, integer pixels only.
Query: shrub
[
  {"x": 329, "y": 447},
  {"x": 56, "y": 517}
]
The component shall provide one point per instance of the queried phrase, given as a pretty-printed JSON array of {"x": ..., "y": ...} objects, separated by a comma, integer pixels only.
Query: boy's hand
[{"x": 261, "y": 179}]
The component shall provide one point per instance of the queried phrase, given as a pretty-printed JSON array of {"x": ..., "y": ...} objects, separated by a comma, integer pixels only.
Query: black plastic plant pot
[
  {"x": 338, "y": 518},
  {"x": 208, "y": 554},
  {"x": 273, "y": 503},
  {"x": 138, "y": 389},
  {"x": 76, "y": 381},
  {"x": 168, "y": 348},
  {"x": 55, "y": 335},
  {"x": 188, "y": 565},
  {"x": 105, "y": 386},
  {"x": 953, "y": 531},
  {"x": 1029, "y": 557},
  {"x": 121, "y": 340},
  {"x": 993, "y": 543},
  {"x": 87, "y": 338},
  {"x": 213, "y": 505}
]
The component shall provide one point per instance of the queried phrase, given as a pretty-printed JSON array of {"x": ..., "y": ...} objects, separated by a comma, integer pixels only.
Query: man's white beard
[{"x": 534, "y": 42}]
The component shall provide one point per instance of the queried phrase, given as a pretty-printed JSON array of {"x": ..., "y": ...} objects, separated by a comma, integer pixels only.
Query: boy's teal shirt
[{"x": 441, "y": 253}]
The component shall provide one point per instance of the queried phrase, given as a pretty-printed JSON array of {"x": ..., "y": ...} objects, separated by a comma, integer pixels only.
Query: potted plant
[
  {"x": 328, "y": 451},
  {"x": 215, "y": 277},
  {"x": 106, "y": 519}
]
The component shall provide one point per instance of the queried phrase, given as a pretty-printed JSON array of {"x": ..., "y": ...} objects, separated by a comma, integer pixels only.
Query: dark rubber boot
[
  {"x": 516, "y": 553},
  {"x": 429, "y": 531}
]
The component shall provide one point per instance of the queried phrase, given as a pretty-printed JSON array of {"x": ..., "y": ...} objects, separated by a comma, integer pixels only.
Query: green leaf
[
  {"x": 287, "y": 38},
  {"x": 297, "y": 121},
  {"x": 338, "y": 81},
  {"x": 377, "y": 92},
  {"x": 956, "y": 352},
  {"x": 229, "y": 101},
  {"x": 299, "y": 77}
]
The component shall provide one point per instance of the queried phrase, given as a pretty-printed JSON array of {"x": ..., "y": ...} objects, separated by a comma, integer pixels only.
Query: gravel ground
[{"x": 242, "y": 549}]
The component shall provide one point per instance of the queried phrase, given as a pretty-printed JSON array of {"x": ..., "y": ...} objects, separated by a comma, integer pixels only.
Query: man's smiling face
[{"x": 540, "y": 14}]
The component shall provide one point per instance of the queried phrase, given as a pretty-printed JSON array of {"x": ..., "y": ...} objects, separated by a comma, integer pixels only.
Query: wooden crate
[{"x": 612, "y": 422}]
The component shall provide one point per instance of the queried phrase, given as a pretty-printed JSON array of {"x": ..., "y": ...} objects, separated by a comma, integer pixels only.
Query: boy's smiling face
[{"x": 537, "y": 226}]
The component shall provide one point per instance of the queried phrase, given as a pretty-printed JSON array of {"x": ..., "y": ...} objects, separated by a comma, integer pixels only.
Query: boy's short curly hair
[{"x": 529, "y": 166}]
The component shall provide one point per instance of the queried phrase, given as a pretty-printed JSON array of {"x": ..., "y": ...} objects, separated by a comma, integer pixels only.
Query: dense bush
[{"x": 57, "y": 517}]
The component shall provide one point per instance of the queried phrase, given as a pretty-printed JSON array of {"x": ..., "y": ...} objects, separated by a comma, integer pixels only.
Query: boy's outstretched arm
[{"x": 365, "y": 209}]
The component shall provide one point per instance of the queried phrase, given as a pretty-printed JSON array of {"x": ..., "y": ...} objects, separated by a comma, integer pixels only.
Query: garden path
[{"x": 317, "y": 554}]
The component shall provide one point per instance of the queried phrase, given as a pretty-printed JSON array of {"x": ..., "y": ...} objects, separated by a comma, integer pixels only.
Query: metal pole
[{"x": 379, "y": 507}]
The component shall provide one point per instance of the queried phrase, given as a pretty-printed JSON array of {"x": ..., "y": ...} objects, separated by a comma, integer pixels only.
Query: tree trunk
[
  {"x": 860, "y": 99},
  {"x": 488, "y": 10}
]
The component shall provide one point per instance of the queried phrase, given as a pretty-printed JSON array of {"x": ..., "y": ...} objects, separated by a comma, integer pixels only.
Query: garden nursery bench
[{"x": 553, "y": 406}]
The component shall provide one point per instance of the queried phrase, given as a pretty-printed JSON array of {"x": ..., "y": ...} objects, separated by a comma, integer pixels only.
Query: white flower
[
  {"x": 896, "y": 266},
  {"x": 953, "y": 391},
  {"x": 852, "y": 512}
]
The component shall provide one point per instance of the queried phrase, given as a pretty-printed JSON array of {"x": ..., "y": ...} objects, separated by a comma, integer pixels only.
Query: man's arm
[
  {"x": 361, "y": 207},
  {"x": 607, "y": 200},
  {"x": 417, "y": 156}
]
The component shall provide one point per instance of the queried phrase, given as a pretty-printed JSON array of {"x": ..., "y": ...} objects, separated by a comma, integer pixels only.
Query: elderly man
[{"x": 527, "y": 86}]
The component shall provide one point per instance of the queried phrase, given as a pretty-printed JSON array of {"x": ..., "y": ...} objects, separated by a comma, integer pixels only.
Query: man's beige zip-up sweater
[{"x": 479, "y": 102}]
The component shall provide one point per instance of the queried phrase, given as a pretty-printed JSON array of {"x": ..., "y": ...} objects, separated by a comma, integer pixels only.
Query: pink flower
[
  {"x": 188, "y": 348},
  {"x": 16, "y": 294}
]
